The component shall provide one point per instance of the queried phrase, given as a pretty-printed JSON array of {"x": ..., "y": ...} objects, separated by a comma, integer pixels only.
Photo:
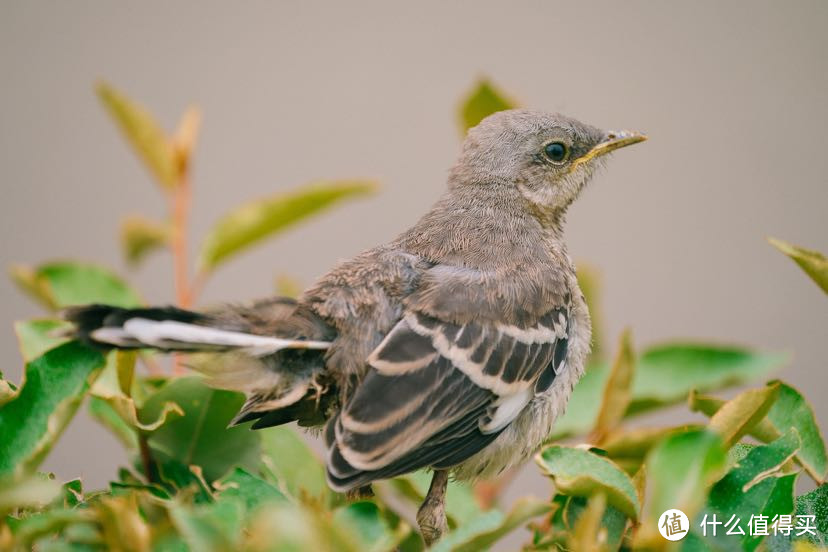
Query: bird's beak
[{"x": 613, "y": 140}]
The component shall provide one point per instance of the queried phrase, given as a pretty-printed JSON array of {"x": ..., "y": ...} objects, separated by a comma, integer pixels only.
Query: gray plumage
[{"x": 454, "y": 347}]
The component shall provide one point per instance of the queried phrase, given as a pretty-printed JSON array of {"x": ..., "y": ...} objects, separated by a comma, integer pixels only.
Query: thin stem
[{"x": 181, "y": 198}]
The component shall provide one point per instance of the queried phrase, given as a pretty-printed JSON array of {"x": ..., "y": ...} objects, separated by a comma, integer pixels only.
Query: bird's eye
[{"x": 557, "y": 152}]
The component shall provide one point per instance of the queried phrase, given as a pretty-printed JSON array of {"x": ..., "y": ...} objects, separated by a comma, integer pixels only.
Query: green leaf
[
  {"x": 201, "y": 436},
  {"x": 813, "y": 263},
  {"x": 255, "y": 221},
  {"x": 35, "y": 337},
  {"x": 483, "y": 100},
  {"x": 578, "y": 472},
  {"x": 791, "y": 410},
  {"x": 617, "y": 393},
  {"x": 139, "y": 127},
  {"x": 141, "y": 236},
  {"x": 815, "y": 504},
  {"x": 366, "y": 520},
  {"x": 608, "y": 531},
  {"x": 293, "y": 466},
  {"x": 250, "y": 490},
  {"x": 54, "y": 386},
  {"x": 739, "y": 415},
  {"x": 665, "y": 375},
  {"x": 680, "y": 469},
  {"x": 756, "y": 485},
  {"x": 486, "y": 529},
  {"x": 63, "y": 284}
]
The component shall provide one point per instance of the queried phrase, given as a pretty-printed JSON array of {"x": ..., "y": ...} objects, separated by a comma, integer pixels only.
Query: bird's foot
[{"x": 431, "y": 517}]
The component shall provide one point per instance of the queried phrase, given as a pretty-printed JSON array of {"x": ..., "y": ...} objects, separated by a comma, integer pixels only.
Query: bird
[{"x": 453, "y": 348}]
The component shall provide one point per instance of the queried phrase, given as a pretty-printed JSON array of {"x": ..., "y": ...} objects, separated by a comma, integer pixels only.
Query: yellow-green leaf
[
  {"x": 483, "y": 100},
  {"x": 35, "y": 337},
  {"x": 140, "y": 128},
  {"x": 65, "y": 283},
  {"x": 255, "y": 221},
  {"x": 141, "y": 236},
  {"x": 617, "y": 393},
  {"x": 185, "y": 138},
  {"x": 740, "y": 414},
  {"x": 813, "y": 263}
]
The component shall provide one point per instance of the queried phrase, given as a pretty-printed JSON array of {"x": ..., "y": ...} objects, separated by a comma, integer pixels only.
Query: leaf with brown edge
[
  {"x": 740, "y": 414},
  {"x": 617, "y": 393},
  {"x": 141, "y": 130},
  {"x": 813, "y": 263},
  {"x": 141, "y": 236},
  {"x": 254, "y": 221},
  {"x": 483, "y": 100}
]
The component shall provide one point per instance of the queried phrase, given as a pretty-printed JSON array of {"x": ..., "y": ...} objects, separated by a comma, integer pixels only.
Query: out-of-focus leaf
[
  {"x": 47, "y": 522},
  {"x": 617, "y": 394},
  {"x": 35, "y": 337},
  {"x": 740, "y": 414},
  {"x": 26, "y": 280},
  {"x": 140, "y": 128},
  {"x": 141, "y": 236},
  {"x": 211, "y": 528},
  {"x": 709, "y": 405},
  {"x": 287, "y": 286},
  {"x": 366, "y": 520},
  {"x": 483, "y": 100},
  {"x": 586, "y": 533},
  {"x": 175, "y": 477},
  {"x": 813, "y": 263},
  {"x": 296, "y": 529},
  {"x": 54, "y": 386},
  {"x": 63, "y": 284},
  {"x": 29, "y": 490},
  {"x": 589, "y": 280},
  {"x": 791, "y": 410},
  {"x": 756, "y": 485},
  {"x": 461, "y": 506},
  {"x": 636, "y": 443},
  {"x": 579, "y": 472},
  {"x": 611, "y": 524},
  {"x": 250, "y": 490},
  {"x": 254, "y": 221},
  {"x": 295, "y": 468},
  {"x": 582, "y": 408},
  {"x": 486, "y": 529},
  {"x": 123, "y": 526},
  {"x": 185, "y": 138},
  {"x": 201, "y": 436},
  {"x": 679, "y": 471},
  {"x": 665, "y": 375}
]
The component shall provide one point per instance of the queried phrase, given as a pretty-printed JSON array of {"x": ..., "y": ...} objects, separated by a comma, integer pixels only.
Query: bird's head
[{"x": 547, "y": 157}]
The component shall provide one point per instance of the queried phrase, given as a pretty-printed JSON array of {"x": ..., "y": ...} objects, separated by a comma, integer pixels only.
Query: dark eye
[{"x": 556, "y": 151}]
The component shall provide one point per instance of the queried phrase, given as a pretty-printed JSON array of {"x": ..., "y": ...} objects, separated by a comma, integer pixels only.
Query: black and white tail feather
[{"x": 283, "y": 377}]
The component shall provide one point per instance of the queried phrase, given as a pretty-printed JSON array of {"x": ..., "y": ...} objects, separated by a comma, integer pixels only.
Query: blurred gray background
[{"x": 733, "y": 97}]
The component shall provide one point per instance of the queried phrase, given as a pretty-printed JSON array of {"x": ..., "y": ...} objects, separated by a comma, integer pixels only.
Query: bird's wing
[{"x": 440, "y": 392}]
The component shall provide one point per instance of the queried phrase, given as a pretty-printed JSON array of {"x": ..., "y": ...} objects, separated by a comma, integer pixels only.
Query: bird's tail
[{"x": 174, "y": 330}]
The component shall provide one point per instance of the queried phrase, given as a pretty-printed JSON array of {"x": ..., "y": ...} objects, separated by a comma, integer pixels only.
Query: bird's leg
[{"x": 431, "y": 517}]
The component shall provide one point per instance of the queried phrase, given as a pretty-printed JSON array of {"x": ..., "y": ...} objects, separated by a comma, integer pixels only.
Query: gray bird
[{"x": 454, "y": 347}]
